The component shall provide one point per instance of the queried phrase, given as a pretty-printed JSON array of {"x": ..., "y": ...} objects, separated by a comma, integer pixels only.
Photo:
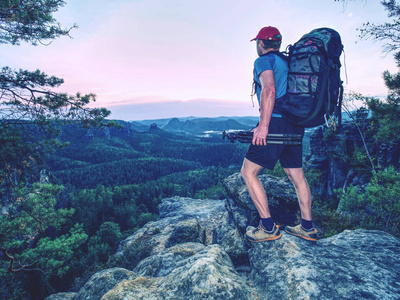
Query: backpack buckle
[{"x": 330, "y": 122}]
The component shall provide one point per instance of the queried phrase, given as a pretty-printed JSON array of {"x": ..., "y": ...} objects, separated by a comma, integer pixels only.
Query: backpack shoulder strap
[{"x": 282, "y": 55}]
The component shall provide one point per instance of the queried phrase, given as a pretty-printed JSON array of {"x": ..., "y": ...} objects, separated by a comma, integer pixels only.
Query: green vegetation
[
  {"x": 109, "y": 186},
  {"x": 374, "y": 204},
  {"x": 378, "y": 207}
]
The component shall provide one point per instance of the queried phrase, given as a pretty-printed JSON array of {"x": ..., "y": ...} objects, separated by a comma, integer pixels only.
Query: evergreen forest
[{"x": 97, "y": 189}]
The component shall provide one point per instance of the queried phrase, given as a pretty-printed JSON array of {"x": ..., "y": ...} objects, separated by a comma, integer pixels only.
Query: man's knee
[
  {"x": 245, "y": 172},
  {"x": 249, "y": 170},
  {"x": 289, "y": 174},
  {"x": 295, "y": 175}
]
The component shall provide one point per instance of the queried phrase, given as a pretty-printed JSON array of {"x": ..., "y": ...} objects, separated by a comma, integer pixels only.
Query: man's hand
[{"x": 260, "y": 135}]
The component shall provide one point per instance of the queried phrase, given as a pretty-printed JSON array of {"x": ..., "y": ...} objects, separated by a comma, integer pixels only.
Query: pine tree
[
  {"x": 36, "y": 241},
  {"x": 29, "y": 105},
  {"x": 387, "y": 113}
]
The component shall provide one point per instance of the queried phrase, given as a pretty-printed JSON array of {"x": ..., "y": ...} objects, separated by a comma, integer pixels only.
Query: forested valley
[{"x": 97, "y": 189}]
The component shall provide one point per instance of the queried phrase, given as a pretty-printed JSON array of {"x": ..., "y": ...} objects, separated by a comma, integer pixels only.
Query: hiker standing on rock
[{"x": 270, "y": 81}]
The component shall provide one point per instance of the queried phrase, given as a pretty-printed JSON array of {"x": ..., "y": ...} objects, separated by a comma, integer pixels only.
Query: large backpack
[{"x": 314, "y": 89}]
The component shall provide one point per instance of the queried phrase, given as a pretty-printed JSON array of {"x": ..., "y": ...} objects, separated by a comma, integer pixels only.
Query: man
[{"x": 270, "y": 80}]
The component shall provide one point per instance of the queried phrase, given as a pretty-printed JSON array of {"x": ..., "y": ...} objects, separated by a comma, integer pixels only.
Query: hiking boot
[
  {"x": 259, "y": 234},
  {"x": 309, "y": 235},
  {"x": 250, "y": 228}
]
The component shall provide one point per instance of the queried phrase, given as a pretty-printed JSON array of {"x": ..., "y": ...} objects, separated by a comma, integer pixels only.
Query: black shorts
[{"x": 289, "y": 156}]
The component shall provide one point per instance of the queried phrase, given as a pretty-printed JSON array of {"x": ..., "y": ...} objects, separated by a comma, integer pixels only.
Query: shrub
[{"x": 379, "y": 206}]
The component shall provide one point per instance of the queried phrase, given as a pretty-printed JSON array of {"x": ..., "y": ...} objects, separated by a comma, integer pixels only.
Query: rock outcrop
[
  {"x": 282, "y": 200},
  {"x": 196, "y": 250},
  {"x": 356, "y": 264},
  {"x": 328, "y": 159},
  {"x": 101, "y": 282},
  {"x": 330, "y": 156},
  {"x": 181, "y": 220},
  {"x": 206, "y": 274}
]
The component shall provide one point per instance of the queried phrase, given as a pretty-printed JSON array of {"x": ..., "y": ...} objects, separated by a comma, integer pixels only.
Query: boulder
[
  {"x": 231, "y": 240},
  {"x": 208, "y": 274},
  {"x": 61, "y": 296},
  {"x": 168, "y": 260},
  {"x": 207, "y": 212},
  {"x": 186, "y": 231},
  {"x": 181, "y": 220},
  {"x": 357, "y": 264},
  {"x": 101, "y": 282},
  {"x": 282, "y": 201}
]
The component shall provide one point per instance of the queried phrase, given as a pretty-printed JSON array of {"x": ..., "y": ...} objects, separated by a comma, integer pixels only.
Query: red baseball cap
[{"x": 268, "y": 33}]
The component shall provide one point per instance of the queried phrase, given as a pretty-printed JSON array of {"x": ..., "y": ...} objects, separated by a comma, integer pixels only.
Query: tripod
[{"x": 272, "y": 138}]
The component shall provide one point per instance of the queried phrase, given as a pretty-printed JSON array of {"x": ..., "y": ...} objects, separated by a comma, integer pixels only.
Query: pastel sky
[{"x": 149, "y": 59}]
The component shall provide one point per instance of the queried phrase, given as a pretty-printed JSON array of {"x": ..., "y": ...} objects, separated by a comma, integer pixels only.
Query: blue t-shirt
[{"x": 280, "y": 68}]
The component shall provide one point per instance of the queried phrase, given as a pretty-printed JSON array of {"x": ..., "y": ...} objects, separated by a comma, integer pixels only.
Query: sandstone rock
[
  {"x": 101, "y": 282},
  {"x": 168, "y": 260},
  {"x": 356, "y": 264},
  {"x": 388, "y": 155},
  {"x": 208, "y": 274},
  {"x": 207, "y": 212},
  {"x": 180, "y": 220},
  {"x": 327, "y": 160},
  {"x": 61, "y": 296},
  {"x": 154, "y": 237},
  {"x": 140, "y": 288},
  {"x": 317, "y": 144},
  {"x": 281, "y": 197},
  {"x": 186, "y": 231},
  {"x": 231, "y": 240}
]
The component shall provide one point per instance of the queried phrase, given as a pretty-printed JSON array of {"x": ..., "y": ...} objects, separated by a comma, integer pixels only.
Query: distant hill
[
  {"x": 162, "y": 122},
  {"x": 248, "y": 121},
  {"x": 140, "y": 127},
  {"x": 195, "y": 125},
  {"x": 198, "y": 126}
]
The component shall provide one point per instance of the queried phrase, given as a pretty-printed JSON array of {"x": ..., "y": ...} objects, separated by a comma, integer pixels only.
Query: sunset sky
[{"x": 149, "y": 59}]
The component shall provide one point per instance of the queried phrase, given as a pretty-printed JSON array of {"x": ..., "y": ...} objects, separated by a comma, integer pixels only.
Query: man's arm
[{"x": 267, "y": 102}]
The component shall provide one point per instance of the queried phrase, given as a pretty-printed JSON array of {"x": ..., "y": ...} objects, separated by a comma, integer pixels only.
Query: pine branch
[{"x": 22, "y": 267}]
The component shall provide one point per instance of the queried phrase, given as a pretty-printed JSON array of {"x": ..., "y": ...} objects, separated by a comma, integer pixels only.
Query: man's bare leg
[
  {"x": 305, "y": 230},
  {"x": 257, "y": 193},
  {"x": 267, "y": 231},
  {"x": 296, "y": 175}
]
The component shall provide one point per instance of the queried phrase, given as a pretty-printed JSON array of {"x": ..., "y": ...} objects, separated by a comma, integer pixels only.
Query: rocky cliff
[
  {"x": 196, "y": 250},
  {"x": 331, "y": 156}
]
